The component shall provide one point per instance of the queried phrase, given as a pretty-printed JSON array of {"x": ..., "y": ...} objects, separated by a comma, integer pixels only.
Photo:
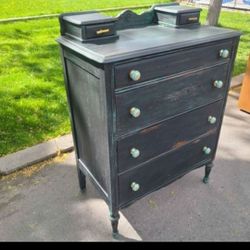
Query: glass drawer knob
[
  {"x": 224, "y": 53},
  {"x": 218, "y": 84},
  {"x": 135, "y": 152},
  {"x": 212, "y": 119},
  {"x": 135, "y": 75},
  {"x": 135, "y": 186},
  {"x": 135, "y": 112},
  {"x": 207, "y": 150}
]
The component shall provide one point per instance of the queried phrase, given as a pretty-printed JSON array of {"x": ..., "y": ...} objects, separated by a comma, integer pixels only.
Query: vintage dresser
[{"x": 146, "y": 106}]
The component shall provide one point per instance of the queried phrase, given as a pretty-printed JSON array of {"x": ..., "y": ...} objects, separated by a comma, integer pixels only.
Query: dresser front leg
[
  {"x": 81, "y": 179},
  {"x": 208, "y": 169},
  {"x": 114, "y": 218}
]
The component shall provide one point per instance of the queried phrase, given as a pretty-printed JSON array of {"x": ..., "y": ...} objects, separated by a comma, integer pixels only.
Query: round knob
[
  {"x": 135, "y": 75},
  {"x": 218, "y": 84},
  {"x": 135, "y": 112},
  {"x": 212, "y": 119},
  {"x": 207, "y": 150},
  {"x": 135, "y": 186},
  {"x": 224, "y": 53},
  {"x": 135, "y": 152}
]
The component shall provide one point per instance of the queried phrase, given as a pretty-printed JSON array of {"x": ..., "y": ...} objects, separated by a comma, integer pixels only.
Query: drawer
[
  {"x": 141, "y": 107},
  {"x": 106, "y": 29},
  {"x": 142, "y": 70},
  {"x": 161, "y": 171},
  {"x": 169, "y": 135}
]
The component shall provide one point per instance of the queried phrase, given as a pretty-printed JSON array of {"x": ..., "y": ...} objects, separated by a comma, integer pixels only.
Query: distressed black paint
[
  {"x": 175, "y": 95},
  {"x": 168, "y": 135},
  {"x": 169, "y": 97}
]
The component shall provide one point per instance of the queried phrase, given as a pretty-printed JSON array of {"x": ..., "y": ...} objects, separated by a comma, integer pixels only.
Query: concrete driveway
[{"x": 49, "y": 207}]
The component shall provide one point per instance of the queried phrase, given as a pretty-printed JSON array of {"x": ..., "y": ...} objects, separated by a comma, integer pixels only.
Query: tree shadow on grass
[{"x": 47, "y": 65}]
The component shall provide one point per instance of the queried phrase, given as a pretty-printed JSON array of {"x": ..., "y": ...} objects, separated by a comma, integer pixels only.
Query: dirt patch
[{"x": 31, "y": 170}]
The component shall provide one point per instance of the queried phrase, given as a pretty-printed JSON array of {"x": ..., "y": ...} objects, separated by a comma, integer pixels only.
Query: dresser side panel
[{"x": 88, "y": 100}]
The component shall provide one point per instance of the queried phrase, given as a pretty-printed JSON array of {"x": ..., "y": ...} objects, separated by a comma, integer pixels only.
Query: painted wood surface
[
  {"x": 137, "y": 42},
  {"x": 162, "y": 170},
  {"x": 165, "y": 136},
  {"x": 89, "y": 110},
  {"x": 175, "y": 96},
  {"x": 172, "y": 63},
  {"x": 169, "y": 97}
]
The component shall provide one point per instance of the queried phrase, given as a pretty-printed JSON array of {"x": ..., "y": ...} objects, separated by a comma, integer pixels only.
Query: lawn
[
  {"x": 32, "y": 95},
  {"x": 17, "y": 8}
]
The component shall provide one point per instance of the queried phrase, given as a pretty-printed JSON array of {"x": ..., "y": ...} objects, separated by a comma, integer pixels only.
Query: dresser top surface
[{"x": 147, "y": 40}]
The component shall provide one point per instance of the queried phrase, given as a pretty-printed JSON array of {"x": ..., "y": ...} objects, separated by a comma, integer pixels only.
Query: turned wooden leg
[
  {"x": 81, "y": 179},
  {"x": 114, "y": 218},
  {"x": 208, "y": 168}
]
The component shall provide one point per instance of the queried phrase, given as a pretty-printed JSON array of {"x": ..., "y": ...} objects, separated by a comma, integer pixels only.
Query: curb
[
  {"x": 27, "y": 18},
  {"x": 38, "y": 153},
  {"x": 43, "y": 151}
]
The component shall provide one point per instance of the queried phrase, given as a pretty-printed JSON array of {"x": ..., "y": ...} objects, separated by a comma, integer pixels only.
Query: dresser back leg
[
  {"x": 81, "y": 179},
  {"x": 114, "y": 218},
  {"x": 208, "y": 169}
]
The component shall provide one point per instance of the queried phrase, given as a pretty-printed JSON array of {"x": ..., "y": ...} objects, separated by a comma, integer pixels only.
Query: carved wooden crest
[{"x": 129, "y": 19}]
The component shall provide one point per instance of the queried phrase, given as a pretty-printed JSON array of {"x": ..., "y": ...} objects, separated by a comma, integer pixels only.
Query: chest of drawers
[{"x": 147, "y": 108}]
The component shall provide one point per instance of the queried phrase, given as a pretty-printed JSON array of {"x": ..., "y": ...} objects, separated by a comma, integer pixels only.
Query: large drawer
[
  {"x": 169, "y": 135},
  {"x": 147, "y": 69},
  {"x": 168, "y": 97},
  {"x": 159, "y": 172}
]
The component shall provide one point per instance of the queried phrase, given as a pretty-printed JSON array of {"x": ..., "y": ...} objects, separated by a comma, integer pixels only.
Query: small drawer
[
  {"x": 138, "y": 182},
  {"x": 146, "y": 69},
  {"x": 141, "y": 107},
  {"x": 189, "y": 18},
  {"x": 170, "y": 135},
  {"x": 100, "y": 30}
]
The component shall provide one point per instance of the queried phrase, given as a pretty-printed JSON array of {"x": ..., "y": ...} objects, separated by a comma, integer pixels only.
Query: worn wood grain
[
  {"x": 171, "y": 63},
  {"x": 169, "y": 97},
  {"x": 152, "y": 39},
  {"x": 175, "y": 95},
  {"x": 169, "y": 135},
  {"x": 162, "y": 170},
  {"x": 90, "y": 121}
]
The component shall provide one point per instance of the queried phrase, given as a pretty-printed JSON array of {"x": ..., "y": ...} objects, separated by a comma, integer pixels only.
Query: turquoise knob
[
  {"x": 207, "y": 150},
  {"x": 135, "y": 186},
  {"x": 224, "y": 53},
  {"x": 135, "y": 112},
  {"x": 135, "y": 75},
  {"x": 135, "y": 152},
  {"x": 218, "y": 84},
  {"x": 212, "y": 119}
]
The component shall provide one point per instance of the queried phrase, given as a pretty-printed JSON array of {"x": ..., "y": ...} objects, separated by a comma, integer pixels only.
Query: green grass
[
  {"x": 17, "y": 8},
  {"x": 32, "y": 96}
]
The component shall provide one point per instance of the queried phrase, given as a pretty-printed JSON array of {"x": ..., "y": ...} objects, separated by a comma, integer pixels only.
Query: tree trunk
[{"x": 214, "y": 12}]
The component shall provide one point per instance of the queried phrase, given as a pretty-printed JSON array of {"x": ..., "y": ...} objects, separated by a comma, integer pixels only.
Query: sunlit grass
[{"x": 17, "y": 8}]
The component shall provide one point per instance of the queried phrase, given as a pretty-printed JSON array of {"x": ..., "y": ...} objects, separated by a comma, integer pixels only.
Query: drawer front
[
  {"x": 154, "y": 174},
  {"x": 141, "y": 107},
  {"x": 147, "y": 69},
  {"x": 169, "y": 135},
  {"x": 188, "y": 18},
  {"x": 100, "y": 30}
]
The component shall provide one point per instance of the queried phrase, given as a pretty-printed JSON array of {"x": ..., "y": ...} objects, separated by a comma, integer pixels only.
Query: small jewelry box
[
  {"x": 88, "y": 26},
  {"x": 177, "y": 15}
]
